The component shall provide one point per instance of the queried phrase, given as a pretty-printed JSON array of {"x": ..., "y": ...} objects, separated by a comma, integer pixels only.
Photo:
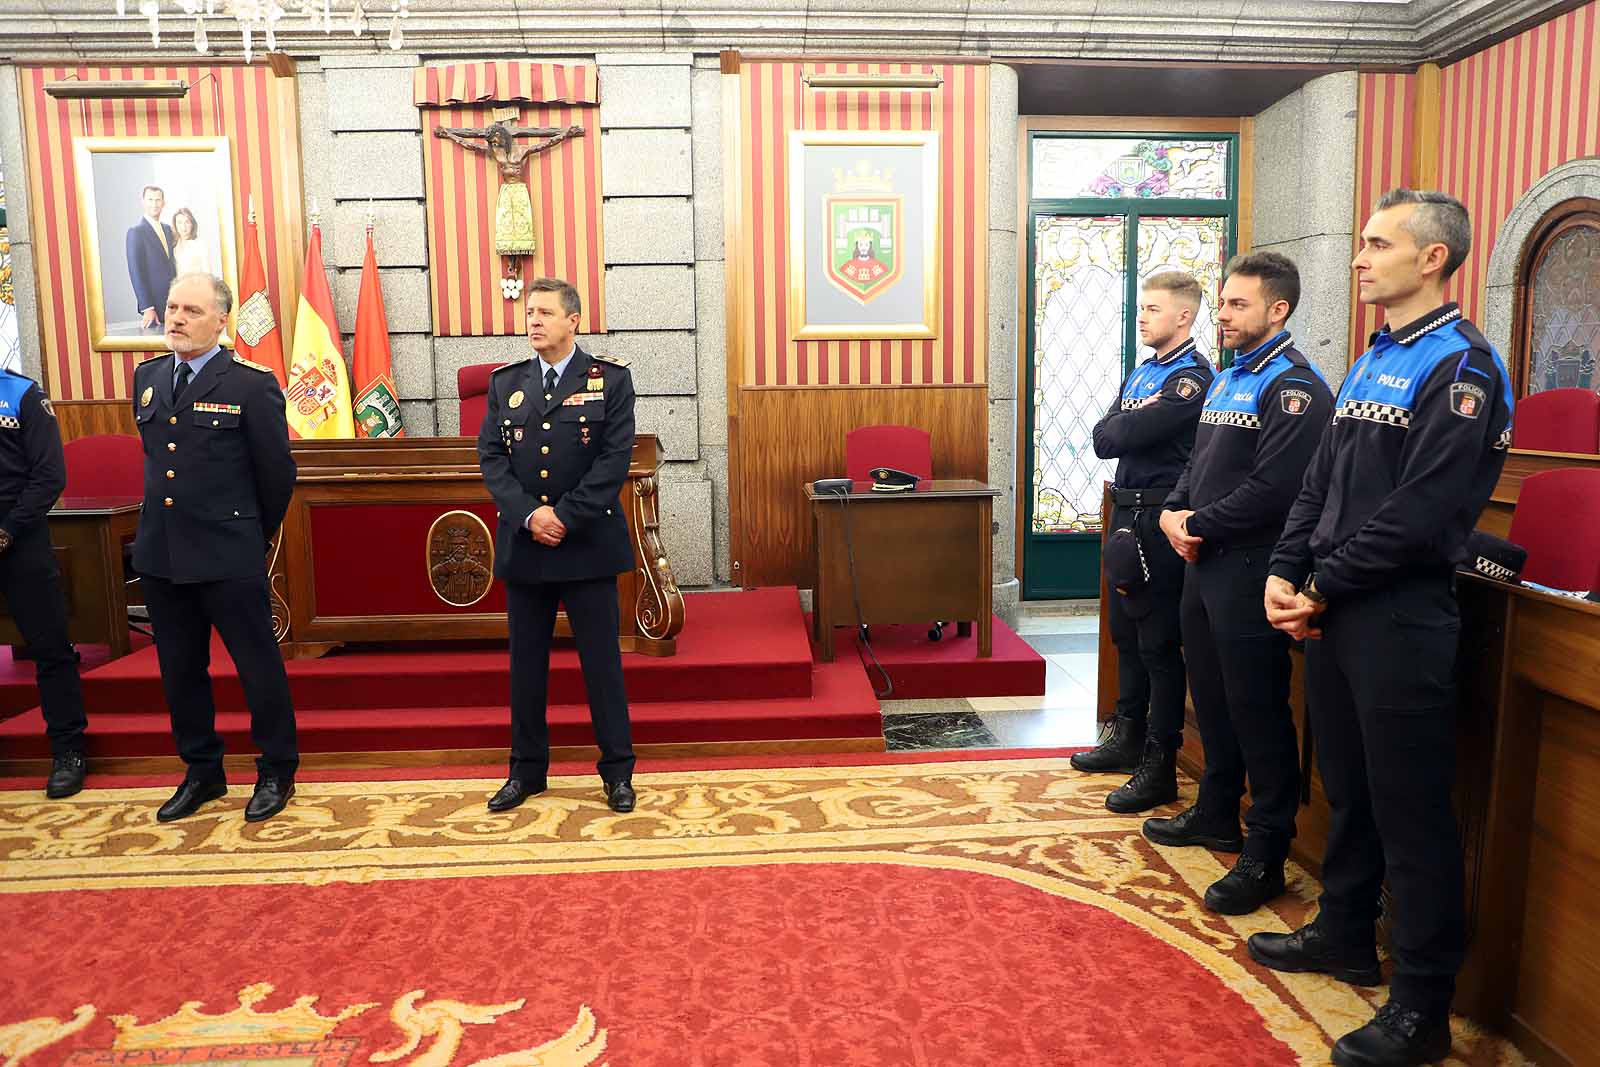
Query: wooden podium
[{"x": 393, "y": 540}]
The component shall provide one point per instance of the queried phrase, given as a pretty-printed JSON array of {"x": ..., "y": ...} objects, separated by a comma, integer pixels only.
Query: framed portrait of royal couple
[
  {"x": 150, "y": 209},
  {"x": 863, "y": 234}
]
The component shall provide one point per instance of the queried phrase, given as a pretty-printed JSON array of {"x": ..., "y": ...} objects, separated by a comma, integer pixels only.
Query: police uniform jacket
[
  {"x": 1150, "y": 428},
  {"x": 571, "y": 452},
  {"x": 1420, "y": 431},
  {"x": 33, "y": 471},
  {"x": 1262, "y": 420},
  {"x": 217, "y": 470}
]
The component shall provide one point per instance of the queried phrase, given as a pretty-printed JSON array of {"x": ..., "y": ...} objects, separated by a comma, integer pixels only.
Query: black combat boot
[
  {"x": 1118, "y": 750},
  {"x": 1396, "y": 1037},
  {"x": 1195, "y": 826},
  {"x": 1310, "y": 949},
  {"x": 1153, "y": 784}
]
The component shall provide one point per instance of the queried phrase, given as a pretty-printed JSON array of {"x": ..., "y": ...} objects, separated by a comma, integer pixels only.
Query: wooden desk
[
  {"x": 359, "y": 558},
  {"x": 88, "y": 534},
  {"x": 920, "y": 556}
]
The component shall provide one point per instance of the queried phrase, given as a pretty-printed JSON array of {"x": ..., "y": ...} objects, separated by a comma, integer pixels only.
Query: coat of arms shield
[{"x": 863, "y": 243}]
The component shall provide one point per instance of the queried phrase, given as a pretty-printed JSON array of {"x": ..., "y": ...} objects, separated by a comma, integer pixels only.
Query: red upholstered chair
[
  {"x": 1558, "y": 521},
  {"x": 1558, "y": 420},
  {"x": 472, "y": 386},
  {"x": 107, "y": 464},
  {"x": 904, "y": 448}
]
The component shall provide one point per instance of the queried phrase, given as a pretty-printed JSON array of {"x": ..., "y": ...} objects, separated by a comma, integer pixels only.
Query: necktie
[
  {"x": 549, "y": 383},
  {"x": 185, "y": 372}
]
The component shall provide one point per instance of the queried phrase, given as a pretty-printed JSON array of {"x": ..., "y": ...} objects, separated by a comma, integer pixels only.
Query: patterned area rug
[{"x": 936, "y": 913}]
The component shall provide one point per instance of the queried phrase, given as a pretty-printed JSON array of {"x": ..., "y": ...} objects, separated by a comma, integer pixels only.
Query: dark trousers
[
  {"x": 1381, "y": 687},
  {"x": 31, "y": 583},
  {"x": 1149, "y": 647},
  {"x": 592, "y": 610},
  {"x": 182, "y": 615},
  {"x": 1239, "y": 675}
]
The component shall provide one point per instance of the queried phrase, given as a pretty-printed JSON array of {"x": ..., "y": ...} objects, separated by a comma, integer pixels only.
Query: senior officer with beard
[
  {"x": 217, "y": 480},
  {"x": 555, "y": 447}
]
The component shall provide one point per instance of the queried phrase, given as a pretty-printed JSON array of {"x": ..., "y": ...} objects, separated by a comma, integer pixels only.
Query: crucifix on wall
[{"x": 513, "y": 209}]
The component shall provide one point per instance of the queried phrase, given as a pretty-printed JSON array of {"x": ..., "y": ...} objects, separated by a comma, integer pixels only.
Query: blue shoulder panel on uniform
[
  {"x": 1150, "y": 377},
  {"x": 13, "y": 387}
]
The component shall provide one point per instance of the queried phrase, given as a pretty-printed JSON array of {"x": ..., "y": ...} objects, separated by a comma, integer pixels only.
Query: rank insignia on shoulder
[
  {"x": 615, "y": 361},
  {"x": 1187, "y": 388},
  {"x": 251, "y": 364},
  {"x": 44, "y": 402},
  {"x": 1467, "y": 399},
  {"x": 1295, "y": 401}
]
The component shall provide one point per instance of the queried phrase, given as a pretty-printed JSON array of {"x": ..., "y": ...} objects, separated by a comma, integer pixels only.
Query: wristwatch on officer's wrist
[{"x": 1310, "y": 592}]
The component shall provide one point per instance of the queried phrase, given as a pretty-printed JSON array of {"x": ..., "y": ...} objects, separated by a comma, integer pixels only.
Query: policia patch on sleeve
[
  {"x": 1466, "y": 399},
  {"x": 1294, "y": 401},
  {"x": 1187, "y": 388}
]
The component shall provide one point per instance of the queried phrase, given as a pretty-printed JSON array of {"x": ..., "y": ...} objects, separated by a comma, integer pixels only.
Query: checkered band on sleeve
[
  {"x": 1503, "y": 442},
  {"x": 1242, "y": 420},
  {"x": 1129, "y": 405},
  {"x": 1372, "y": 411},
  {"x": 10, "y": 422}
]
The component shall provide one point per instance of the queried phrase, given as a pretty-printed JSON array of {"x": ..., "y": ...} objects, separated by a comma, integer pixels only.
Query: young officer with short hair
[{"x": 1149, "y": 431}]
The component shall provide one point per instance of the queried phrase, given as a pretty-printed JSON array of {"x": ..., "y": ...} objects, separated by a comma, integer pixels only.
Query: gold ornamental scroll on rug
[{"x": 511, "y": 170}]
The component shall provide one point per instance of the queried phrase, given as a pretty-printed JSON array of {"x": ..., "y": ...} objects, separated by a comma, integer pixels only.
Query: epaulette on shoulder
[
  {"x": 508, "y": 366},
  {"x": 251, "y": 364},
  {"x": 615, "y": 361}
]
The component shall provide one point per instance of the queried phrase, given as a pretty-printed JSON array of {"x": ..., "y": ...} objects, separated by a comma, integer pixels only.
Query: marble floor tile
[
  {"x": 927, "y": 706},
  {"x": 1064, "y": 644},
  {"x": 908, "y": 733},
  {"x": 1064, "y": 624},
  {"x": 1044, "y": 728}
]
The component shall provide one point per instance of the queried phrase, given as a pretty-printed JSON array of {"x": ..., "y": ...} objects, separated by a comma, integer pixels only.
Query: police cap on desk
[
  {"x": 889, "y": 480},
  {"x": 1494, "y": 557}
]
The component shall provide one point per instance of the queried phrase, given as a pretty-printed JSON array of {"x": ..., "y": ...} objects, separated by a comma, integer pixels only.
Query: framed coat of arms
[{"x": 863, "y": 234}]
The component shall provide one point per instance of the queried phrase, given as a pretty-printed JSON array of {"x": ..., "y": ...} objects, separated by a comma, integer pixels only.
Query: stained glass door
[{"x": 1156, "y": 205}]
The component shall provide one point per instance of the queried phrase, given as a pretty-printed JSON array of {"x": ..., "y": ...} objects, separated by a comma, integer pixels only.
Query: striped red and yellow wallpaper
[
  {"x": 564, "y": 183},
  {"x": 773, "y": 102},
  {"x": 247, "y": 104},
  {"x": 1507, "y": 116},
  {"x": 1386, "y": 154}
]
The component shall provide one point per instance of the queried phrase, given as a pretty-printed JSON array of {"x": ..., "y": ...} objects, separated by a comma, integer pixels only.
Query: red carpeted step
[
  {"x": 735, "y": 646},
  {"x": 841, "y": 705},
  {"x": 922, "y": 669}
]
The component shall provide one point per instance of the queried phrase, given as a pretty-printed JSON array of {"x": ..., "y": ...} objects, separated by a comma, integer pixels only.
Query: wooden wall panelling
[
  {"x": 87, "y": 418},
  {"x": 802, "y": 439}
]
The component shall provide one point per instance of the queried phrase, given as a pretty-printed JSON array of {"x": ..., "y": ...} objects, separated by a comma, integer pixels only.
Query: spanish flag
[
  {"x": 256, "y": 336},
  {"x": 377, "y": 403},
  {"x": 318, "y": 393}
]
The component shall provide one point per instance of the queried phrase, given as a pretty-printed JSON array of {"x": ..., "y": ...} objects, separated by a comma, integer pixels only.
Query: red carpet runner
[{"x": 959, "y": 913}]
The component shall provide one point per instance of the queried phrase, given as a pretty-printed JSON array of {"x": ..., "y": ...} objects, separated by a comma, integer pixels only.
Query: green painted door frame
[{"x": 1067, "y": 565}]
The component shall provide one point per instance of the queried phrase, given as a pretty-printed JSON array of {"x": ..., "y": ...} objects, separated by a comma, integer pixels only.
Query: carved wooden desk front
[{"x": 393, "y": 540}]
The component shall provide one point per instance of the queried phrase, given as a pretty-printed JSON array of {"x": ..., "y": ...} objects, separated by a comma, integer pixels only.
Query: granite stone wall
[{"x": 1305, "y": 150}]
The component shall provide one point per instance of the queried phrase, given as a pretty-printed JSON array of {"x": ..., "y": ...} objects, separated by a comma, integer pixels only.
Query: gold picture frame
[
  {"x": 123, "y": 251},
  {"x": 864, "y": 251}
]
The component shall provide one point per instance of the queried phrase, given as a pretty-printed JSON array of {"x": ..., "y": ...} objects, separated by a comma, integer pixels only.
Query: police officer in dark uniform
[
  {"x": 1262, "y": 420},
  {"x": 32, "y": 475},
  {"x": 1149, "y": 431},
  {"x": 217, "y": 480},
  {"x": 555, "y": 447},
  {"x": 1364, "y": 570}
]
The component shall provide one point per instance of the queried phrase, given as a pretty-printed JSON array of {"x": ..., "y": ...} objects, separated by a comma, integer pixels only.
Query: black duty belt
[{"x": 1140, "y": 498}]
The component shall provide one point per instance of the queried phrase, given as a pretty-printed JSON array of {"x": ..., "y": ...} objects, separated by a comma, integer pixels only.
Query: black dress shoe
[
  {"x": 1155, "y": 782},
  {"x": 270, "y": 797},
  {"x": 1396, "y": 1037},
  {"x": 1191, "y": 826},
  {"x": 620, "y": 795},
  {"x": 514, "y": 792},
  {"x": 1119, "y": 748},
  {"x": 1309, "y": 949},
  {"x": 187, "y": 800},
  {"x": 66, "y": 775},
  {"x": 1249, "y": 885}
]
